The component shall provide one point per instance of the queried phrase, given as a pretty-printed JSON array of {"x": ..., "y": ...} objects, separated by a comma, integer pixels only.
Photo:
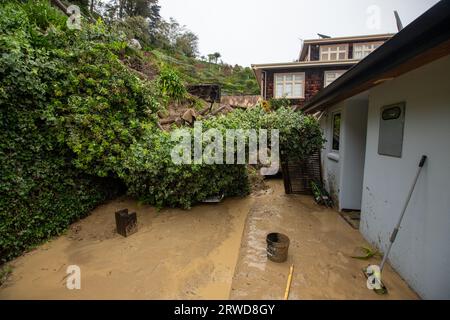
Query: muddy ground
[
  {"x": 322, "y": 244},
  {"x": 176, "y": 254},
  {"x": 194, "y": 254}
]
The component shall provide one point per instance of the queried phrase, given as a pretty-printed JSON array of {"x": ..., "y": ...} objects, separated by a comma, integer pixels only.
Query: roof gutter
[
  {"x": 258, "y": 68},
  {"x": 371, "y": 37},
  {"x": 428, "y": 31},
  {"x": 304, "y": 64}
]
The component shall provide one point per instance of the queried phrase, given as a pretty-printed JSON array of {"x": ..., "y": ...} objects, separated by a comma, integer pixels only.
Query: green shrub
[
  {"x": 276, "y": 104},
  {"x": 134, "y": 28},
  {"x": 155, "y": 179},
  {"x": 170, "y": 84}
]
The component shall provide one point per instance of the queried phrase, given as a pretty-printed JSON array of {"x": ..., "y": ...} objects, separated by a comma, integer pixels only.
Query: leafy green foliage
[
  {"x": 300, "y": 134},
  {"x": 41, "y": 83},
  {"x": 235, "y": 80},
  {"x": 134, "y": 28},
  {"x": 276, "y": 104},
  {"x": 120, "y": 9},
  {"x": 187, "y": 43},
  {"x": 170, "y": 85},
  {"x": 155, "y": 179},
  {"x": 5, "y": 272}
]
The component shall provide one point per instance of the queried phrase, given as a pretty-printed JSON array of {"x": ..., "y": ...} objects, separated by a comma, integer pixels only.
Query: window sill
[
  {"x": 290, "y": 98},
  {"x": 333, "y": 156}
]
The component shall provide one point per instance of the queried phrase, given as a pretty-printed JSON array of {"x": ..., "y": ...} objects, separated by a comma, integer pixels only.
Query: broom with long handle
[{"x": 397, "y": 227}]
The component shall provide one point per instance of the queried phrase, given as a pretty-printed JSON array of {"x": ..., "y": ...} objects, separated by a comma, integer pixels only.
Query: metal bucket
[{"x": 277, "y": 247}]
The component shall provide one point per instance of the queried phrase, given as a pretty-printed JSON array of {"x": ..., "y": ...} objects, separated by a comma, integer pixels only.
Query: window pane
[
  {"x": 324, "y": 57},
  {"x": 333, "y": 56},
  {"x": 329, "y": 78},
  {"x": 298, "y": 90},
  {"x": 298, "y": 77},
  {"x": 342, "y": 56},
  {"x": 279, "y": 91},
  {"x": 288, "y": 90},
  {"x": 336, "y": 131},
  {"x": 288, "y": 77},
  {"x": 279, "y": 79},
  {"x": 392, "y": 113}
]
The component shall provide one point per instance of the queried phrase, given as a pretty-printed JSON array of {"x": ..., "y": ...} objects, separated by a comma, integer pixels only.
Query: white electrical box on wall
[{"x": 392, "y": 124}]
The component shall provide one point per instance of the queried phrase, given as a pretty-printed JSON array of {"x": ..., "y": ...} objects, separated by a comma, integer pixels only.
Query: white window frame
[
  {"x": 359, "y": 47},
  {"x": 333, "y": 48},
  {"x": 293, "y": 82},
  {"x": 326, "y": 73}
]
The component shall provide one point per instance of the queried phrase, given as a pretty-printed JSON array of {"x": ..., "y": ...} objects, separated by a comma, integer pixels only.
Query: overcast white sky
[{"x": 262, "y": 31}]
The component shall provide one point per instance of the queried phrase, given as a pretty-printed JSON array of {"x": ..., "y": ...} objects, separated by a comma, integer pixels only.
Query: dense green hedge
[
  {"x": 153, "y": 177},
  {"x": 41, "y": 191}
]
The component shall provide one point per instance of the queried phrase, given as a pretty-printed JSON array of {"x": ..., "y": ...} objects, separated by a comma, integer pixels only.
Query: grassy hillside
[
  {"x": 235, "y": 80},
  {"x": 169, "y": 43}
]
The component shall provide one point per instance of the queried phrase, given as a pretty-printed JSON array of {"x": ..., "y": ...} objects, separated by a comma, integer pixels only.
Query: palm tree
[
  {"x": 210, "y": 58},
  {"x": 217, "y": 55}
]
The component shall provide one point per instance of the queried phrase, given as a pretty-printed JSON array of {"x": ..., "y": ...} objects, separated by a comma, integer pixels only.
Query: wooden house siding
[{"x": 314, "y": 82}]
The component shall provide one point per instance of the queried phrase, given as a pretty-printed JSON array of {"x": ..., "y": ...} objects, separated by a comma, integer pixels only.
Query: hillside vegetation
[
  {"x": 167, "y": 42},
  {"x": 235, "y": 80}
]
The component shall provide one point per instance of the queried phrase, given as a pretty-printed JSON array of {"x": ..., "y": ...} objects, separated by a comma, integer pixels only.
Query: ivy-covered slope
[{"x": 47, "y": 72}]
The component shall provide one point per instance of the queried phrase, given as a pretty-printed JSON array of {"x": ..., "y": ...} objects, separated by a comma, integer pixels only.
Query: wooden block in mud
[{"x": 126, "y": 223}]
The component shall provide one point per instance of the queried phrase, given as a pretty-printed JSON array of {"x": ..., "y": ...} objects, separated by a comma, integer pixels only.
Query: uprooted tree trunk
[{"x": 60, "y": 6}]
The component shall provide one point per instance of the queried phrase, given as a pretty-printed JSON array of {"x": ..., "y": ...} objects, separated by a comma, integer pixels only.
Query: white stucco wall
[
  {"x": 331, "y": 167},
  {"x": 354, "y": 131},
  {"x": 421, "y": 253}
]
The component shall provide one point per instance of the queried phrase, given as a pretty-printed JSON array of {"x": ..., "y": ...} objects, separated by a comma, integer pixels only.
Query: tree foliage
[{"x": 120, "y": 9}]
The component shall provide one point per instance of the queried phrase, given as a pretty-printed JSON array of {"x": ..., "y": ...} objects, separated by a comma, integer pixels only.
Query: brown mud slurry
[
  {"x": 175, "y": 254},
  {"x": 321, "y": 247},
  {"x": 193, "y": 254}
]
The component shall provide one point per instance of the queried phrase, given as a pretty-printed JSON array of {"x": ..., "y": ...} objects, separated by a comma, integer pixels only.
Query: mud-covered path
[
  {"x": 322, "y": 244},
  {"x": 194, "y": 254},
  {"x": 176, "y": 254}
]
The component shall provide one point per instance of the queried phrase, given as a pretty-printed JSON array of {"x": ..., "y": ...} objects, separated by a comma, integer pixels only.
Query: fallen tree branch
[
  {"x": 204, "y": 111},
  {"x": 168, "y": 121},
  {"x": 60, "y": 6},
  {"x": 160, "y": 126},
  {"x": 214, "y": 113}
]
